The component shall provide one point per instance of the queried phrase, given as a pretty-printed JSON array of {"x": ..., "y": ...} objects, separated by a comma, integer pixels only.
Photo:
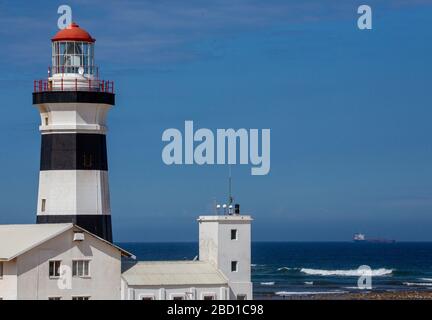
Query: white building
[
  {"x": 64, "y": 261},
  {"x": 173, "y": 280},
  {"x": 57, "y": 261},
  {"x": 223, "y": 271},
  {"x": 225, "y": 242}
]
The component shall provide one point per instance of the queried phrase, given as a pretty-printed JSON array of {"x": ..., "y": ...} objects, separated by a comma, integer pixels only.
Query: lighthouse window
[
  {"x": 54, "y": 269},
  {"x": 1, "y": 270},
  {"x": 87, "y": 161},
  {"x": 43, "y": 207},
  {"x": 68, "y": 56}
]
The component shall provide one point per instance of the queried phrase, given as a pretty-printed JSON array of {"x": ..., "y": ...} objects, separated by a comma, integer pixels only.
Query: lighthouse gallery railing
[{"x": 73, "y": 85}]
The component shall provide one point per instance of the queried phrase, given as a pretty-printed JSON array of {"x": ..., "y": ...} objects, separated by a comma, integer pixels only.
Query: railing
[{"x": 73, "y": 85}]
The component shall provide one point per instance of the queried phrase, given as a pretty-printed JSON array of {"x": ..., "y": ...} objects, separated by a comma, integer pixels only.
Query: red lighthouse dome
[{"x": 73, "y": 33}]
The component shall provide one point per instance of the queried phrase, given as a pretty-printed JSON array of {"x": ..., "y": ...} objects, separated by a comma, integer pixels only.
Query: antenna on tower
[{"x": 230, "y": 197}]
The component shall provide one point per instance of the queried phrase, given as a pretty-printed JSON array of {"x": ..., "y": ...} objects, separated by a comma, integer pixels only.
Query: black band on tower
[
  {"x": 73, "y": 97},
  {"x": 74, "y": 151},
  {"x": 99, "y": 225}
]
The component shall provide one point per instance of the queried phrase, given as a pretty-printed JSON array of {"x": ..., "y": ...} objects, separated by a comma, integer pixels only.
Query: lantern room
[{"x": 73, "y": 52}]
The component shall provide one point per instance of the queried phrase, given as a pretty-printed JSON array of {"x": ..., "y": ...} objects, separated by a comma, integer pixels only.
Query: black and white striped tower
[{"x": 73, "y": 105}]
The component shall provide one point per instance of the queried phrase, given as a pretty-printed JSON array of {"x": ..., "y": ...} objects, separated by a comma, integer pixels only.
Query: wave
[
  {"x": 426, "y": 279},
  {"x": 347, "y": 273},
  {"x": 418, "y": 284},
  {"x": 306, "y": 293},
  {"x": 267, "y": 283},
  {"x": 309, "y": 283},
  {"x": 286, "y": 269}
]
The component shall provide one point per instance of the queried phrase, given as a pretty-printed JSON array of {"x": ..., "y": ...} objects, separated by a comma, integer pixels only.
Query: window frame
[
  {"x": 235, "y": 233},
  {"x": 54, "y": 298},
  {"x": 236, "y": 264},
  {"x": 44, "y": 201},
  {"x": 49, "y": 269},
  {"x": 173, "y": 296},
  {"x": 208, "y": 294},
  {"x": 65, "y": 57},
  {"x": 1, "y": 269},
  {"x": 81, "y": 298},
  {"x": 84, "y": 276}
]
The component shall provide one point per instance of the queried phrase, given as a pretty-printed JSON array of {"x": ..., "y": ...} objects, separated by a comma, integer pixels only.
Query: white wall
[
  {"x": 73, "y": 117},
  {"x": 216, "y": 247},
  {"x": 71, "y": 192},
  {"x": 8, "y": 283},
  {"x": 105, "y": 269},
  {"x": 167, "y": 293}
]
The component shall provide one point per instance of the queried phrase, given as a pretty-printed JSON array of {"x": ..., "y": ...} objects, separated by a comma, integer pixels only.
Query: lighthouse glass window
[{"x": 69, "y": 56}]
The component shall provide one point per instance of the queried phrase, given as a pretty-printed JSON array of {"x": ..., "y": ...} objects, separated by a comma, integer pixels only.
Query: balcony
[{"x": 64, "y": 84}]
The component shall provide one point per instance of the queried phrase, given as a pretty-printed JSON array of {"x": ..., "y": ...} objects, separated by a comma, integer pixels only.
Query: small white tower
[
  {"x": 225, "y": 242},
  {"x": 73, "y": 104}
]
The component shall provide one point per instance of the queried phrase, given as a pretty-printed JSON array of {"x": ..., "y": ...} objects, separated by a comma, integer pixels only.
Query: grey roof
[
  {"x": 165, "y": 273},
  {"x": 16, "y": 239}
]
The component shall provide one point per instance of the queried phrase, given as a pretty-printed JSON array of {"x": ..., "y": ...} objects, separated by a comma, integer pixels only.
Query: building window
[
  {"x": 234, "y": 234},
  {"x": 46, "y": 121},
  {"x": 241, "y": 297},
  {"x": 81, "y": 268},
  {"x": 1, "y": 269},
  {"x": 234, "y": 266},
  {"x": 43, "y": 207},
  {"x": 81, "y": 298},
  {"x": 54, "y": 269},
  {"x": 178, "y": 297},
  {"x": 208, "y": 297},
  {"x": 54, "y": 298},
  {"x": 147, "y": 298}
]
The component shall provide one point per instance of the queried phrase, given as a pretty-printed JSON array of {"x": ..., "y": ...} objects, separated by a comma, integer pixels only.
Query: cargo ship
[{"x": 360, "y": 237}]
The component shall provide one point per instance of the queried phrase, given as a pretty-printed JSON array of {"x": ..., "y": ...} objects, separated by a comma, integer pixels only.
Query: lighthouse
[{"x": 73, "y": 104}]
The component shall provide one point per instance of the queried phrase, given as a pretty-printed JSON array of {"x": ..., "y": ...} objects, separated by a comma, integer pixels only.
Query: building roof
[
  {"x": 166, "y": 273},
  {"x": 73, "y": 33},
  {"x": 17, "y": 239}
]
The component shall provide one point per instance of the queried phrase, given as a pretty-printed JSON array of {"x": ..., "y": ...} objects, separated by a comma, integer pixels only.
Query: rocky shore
[{"x": 404, "y": 295}]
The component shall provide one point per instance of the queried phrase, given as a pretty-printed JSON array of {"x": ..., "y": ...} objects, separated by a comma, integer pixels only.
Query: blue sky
[{"x": 349, "y": 112}]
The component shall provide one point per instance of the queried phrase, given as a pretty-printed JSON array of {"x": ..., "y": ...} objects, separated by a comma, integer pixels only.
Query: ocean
[{"x": 289, "y": 269}]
